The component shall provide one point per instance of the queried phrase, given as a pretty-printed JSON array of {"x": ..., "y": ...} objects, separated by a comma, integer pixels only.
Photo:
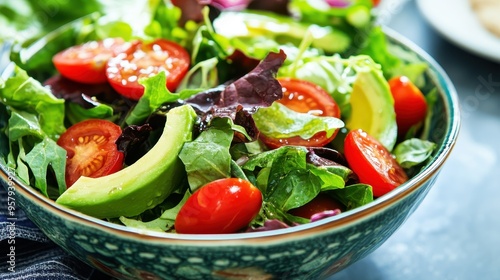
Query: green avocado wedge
[
  {"x": 372, "y": 108},
  {"x": 142, "y": 185},
  {"x": 261, "y": 30}
]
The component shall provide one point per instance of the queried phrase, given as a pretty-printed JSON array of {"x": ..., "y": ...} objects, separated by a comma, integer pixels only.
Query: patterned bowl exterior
[{"x": 312, "y": 251}]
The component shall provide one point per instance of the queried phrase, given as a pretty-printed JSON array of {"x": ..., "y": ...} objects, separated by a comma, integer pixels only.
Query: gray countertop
[{"x": 455, "y": 233}]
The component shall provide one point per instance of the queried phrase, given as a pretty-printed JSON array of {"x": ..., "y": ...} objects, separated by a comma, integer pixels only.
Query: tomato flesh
[
  {"x": 372, "y": 162},
  {"x": 91, "y": 149},
  {"x": 322, "y": 202},
  {"x": 305, "y": 97},
  {"x": 125, "y": 70},
  {"x": 222, "y": 206},
  {"x": 410, "y": 105},
  {"x": 86, "y": 63}
]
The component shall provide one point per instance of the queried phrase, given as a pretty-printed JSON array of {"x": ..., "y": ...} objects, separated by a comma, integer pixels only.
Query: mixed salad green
[{"x": 225, "y": 117}]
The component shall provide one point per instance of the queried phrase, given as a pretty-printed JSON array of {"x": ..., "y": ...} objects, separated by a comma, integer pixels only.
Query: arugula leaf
[
  {"x": 35, "y": 122},
  {"x": 22, "y": 169},
  {"x": 44, "y": 156},
  {"x": 207, "y": 158},
  {"x": 23, "y": 124},
  {"x": 36, "y": 151},
  {"x": 289, "y": 123},
  {"x": 4, "y": 121}
]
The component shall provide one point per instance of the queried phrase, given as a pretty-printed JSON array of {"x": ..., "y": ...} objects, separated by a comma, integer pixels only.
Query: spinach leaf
[
  {"x": 207, "y": 158},
  {"x": 287, "y": 181},
  {"x": 413, "y": 152},
  {"x": 355, "y": 195}
]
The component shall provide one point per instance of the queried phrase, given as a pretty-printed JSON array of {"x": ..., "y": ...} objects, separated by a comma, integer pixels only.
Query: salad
[{"x": 218, "y": 117}]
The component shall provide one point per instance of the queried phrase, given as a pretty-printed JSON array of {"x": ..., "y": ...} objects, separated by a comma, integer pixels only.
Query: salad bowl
[{"x": 315, "y": 250}]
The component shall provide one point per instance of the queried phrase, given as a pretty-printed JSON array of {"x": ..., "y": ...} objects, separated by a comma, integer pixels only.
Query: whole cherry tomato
[
  {"x": 409, "y": 103},
  {"x": 222, "y": 206}
]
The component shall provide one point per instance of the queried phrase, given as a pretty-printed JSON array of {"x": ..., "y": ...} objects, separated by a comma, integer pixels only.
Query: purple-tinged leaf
[
  {"x": 324, "y": 214},
  {"x": 240, "y": 99}
]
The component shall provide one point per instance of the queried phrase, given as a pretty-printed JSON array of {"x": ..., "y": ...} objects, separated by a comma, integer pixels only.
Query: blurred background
[{"x": 454, "y": 234}]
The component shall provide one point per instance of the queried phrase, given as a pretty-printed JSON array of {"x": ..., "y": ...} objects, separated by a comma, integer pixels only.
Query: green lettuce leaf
[
  {"x": 289, "y": 123},
  {"x": 35, "y": 121},
  {"x": 76, "y": 113},
  {"x": 333, "y": 73},
  {"x": 155, "y": 95},
  {"x": 25, "y": 93}
]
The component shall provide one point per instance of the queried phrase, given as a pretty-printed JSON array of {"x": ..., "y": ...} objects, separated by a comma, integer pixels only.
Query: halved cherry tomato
[
  {"x": 91, "y": 149},
  {"x": 372, "y": 162},
  {"x": 305, "y": 97},
  {"x": 222, "y": 206},
  {"x": 86, "y": 63},
  {"x": 125, "y": 70},
  {"x": 376, "y": 2},
  {"x": 409, "y": 103},
  {"x": 322, "y": 202}
]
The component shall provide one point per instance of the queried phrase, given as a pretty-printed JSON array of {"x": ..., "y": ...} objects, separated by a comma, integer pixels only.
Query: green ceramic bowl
[{"x": 311, "y": 251}]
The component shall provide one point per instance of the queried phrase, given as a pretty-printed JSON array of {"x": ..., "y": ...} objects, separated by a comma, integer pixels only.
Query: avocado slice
[
  {"x": 142, "y": 185},
  {"x": 372, "y": 108},
  {"x": 257, "y": 25}
]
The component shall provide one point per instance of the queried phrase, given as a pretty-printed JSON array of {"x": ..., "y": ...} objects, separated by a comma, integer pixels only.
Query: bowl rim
[{"x": 447, "y": 92}]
